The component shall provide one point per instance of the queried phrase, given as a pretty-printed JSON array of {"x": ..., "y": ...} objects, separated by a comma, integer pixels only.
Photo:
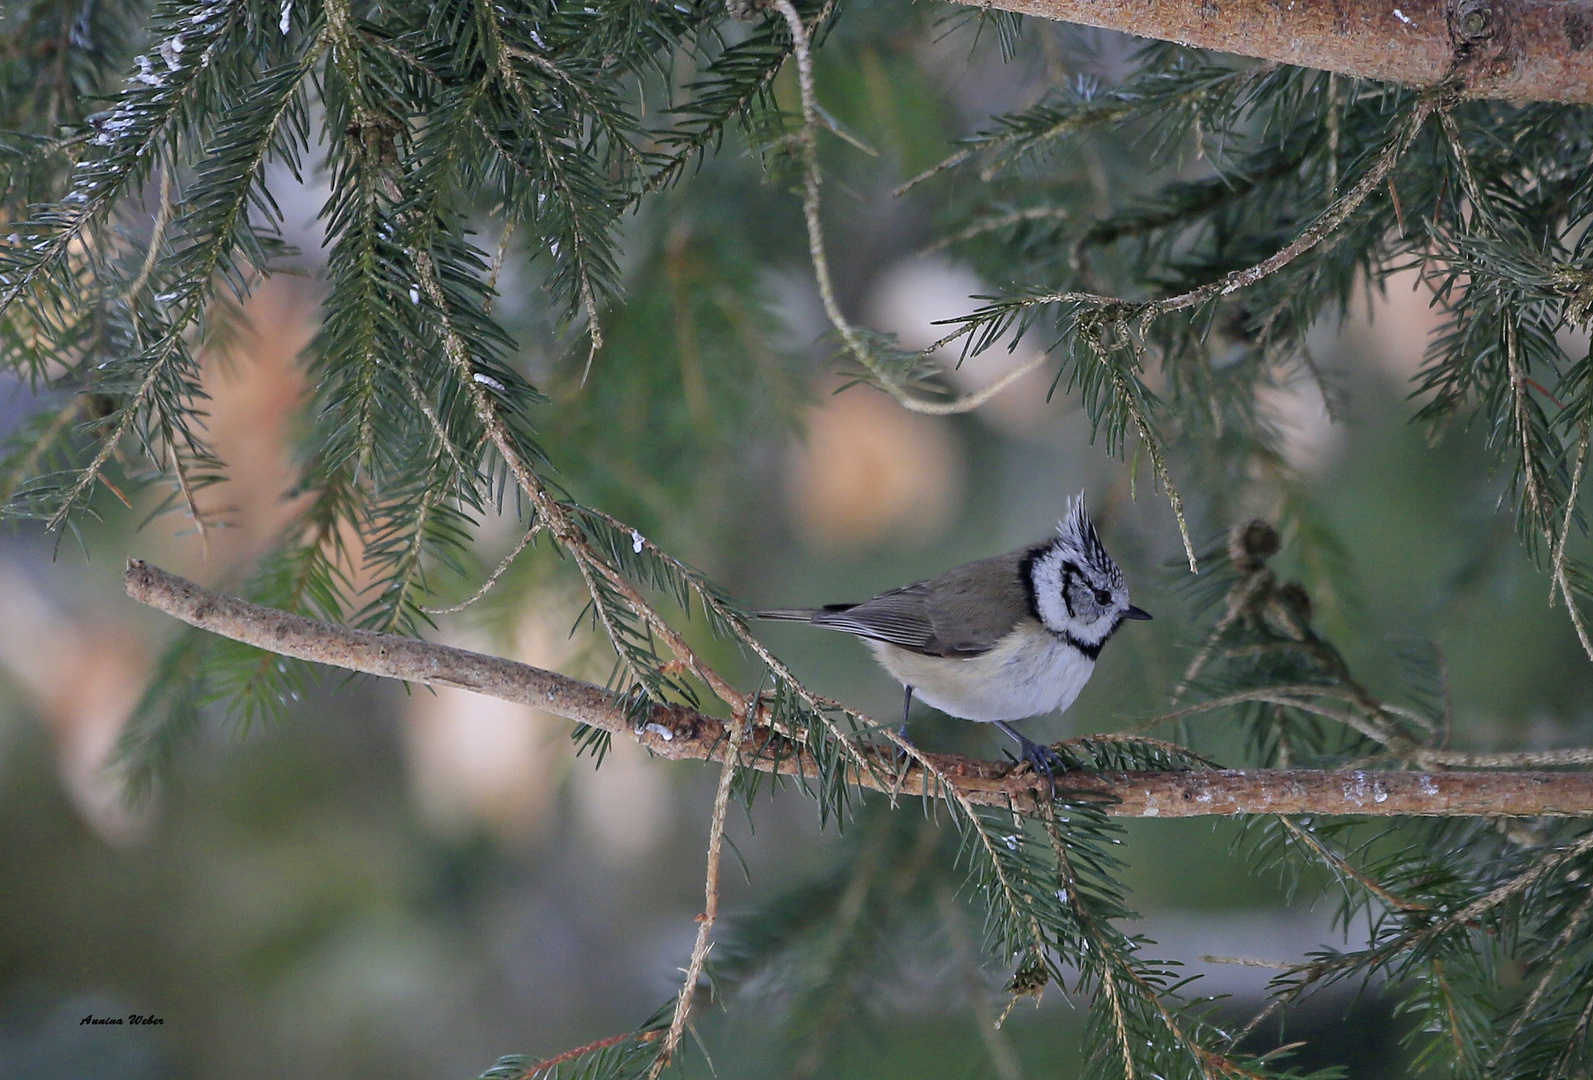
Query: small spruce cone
[
  {"x": 746, "y": 10},
  {"x": 1251, "y": 544}
]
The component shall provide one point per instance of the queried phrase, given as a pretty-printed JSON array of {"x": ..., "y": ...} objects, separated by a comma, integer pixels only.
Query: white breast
[{"x": 1028, "y": 673}]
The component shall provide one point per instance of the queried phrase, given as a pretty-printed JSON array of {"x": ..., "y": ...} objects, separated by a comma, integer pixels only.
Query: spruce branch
[
  {"x": 1123, "y": 975},
  {"x": 552, "y": 159},
  {"x": 1343, "y": 867},
  {"x": 1319, "y": 231},
  {"x": 864, "y": 351},
  {"x": 617, "y": 1056},
  {"x": 679, "y": 733},
  {"x": 1561, "y": 952},
  {"x": 149, "y": 113},
  {"x": 157, "y": 235},
  {"x": 996, "y": 223},
  {"x": 720, "y": 609},
  {"x": 542, "y": 1068},
  {"x": 1422, "y": 931},
  {"x": 599, "y": 576},
  {"x": 244, "y": 147}
]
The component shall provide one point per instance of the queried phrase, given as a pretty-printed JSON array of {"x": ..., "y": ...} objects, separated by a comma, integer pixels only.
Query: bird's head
[{"x": 1079, "y": 592}]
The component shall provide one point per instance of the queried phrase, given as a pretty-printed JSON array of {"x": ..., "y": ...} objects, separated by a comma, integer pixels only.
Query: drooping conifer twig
[
  {"x": 861, "y": 350},
  {"x": 157, "y": 234},
  {"x": 984, "y": 226},
  {"x": 1561, "y": 952},
  {"x": 811, "y": 204},
  {"x": 503, "y": 57},
  {"x": 597, "y": 573},
  {"x": 543, "y": 1068},
  {"x": 678, "y": 733},
  {"x": 550, "y": 512},
  {"x": 1418, "y": 933},
  {"x": 1320, "y": 230}
]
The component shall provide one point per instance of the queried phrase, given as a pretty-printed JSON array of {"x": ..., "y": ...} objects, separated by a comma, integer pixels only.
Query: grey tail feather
[
  {"x": 787, "y": 614},
  {"x": 798, "y": 614}
]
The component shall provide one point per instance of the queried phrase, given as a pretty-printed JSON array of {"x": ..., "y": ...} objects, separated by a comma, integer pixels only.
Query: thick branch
[
  {"x": 1522, "y": 50},
  {"x": 677, "y": 732}
]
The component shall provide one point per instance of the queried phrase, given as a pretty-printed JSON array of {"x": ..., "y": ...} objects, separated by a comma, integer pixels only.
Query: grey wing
[
  {"x": 899, "y": 617},
  {"x": 973, "y": 606},
  {"x": 964, "y": 612}
]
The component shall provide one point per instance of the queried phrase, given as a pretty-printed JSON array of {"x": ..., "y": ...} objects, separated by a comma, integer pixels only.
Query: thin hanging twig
[
  {"x": 739, "y": 724},
  {"x": 157, "y": 234},
  {"x": 486, "y": 586},
  {"x": 812, "y": 202},
  {"x": 1560, "y": 579}
]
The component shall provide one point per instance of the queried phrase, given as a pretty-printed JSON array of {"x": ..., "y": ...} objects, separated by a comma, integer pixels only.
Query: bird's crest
[{"x": 1077, "y": 535}]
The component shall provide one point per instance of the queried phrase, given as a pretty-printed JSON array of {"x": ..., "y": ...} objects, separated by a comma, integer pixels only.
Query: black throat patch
[{"x": 1091, "y": 651}]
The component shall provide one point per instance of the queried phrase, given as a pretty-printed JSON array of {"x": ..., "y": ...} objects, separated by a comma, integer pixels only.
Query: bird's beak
[{"x": 1135, "y": 613}]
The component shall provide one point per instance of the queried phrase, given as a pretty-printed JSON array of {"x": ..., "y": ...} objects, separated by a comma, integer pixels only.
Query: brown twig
[
  {"x": 710, "y": 911},
  {"x": 590, "y": 1048},
  {"x": 676, "y": 732}
]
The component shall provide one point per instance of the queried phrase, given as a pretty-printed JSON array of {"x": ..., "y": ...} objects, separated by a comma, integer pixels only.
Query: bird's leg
[
  {"x": 901, "y": 732},
  {"x": 1042, "y": 759}
]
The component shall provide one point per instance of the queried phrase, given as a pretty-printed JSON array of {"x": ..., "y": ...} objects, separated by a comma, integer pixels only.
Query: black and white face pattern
[{"x": 1078, "y": 591}]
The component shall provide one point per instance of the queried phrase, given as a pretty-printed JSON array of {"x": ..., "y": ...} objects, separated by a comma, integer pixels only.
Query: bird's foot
[
  {"x": 902, "y": 744},
  {"x": 1044, "y": 761},
  {"x": 1041, "y": 759}
]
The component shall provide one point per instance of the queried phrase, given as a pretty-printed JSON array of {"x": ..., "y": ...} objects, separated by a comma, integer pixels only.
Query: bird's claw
[{"x": 1044, "y": 761}]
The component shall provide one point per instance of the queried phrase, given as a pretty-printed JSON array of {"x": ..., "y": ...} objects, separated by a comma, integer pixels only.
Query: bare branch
[
  {"x": 1522, "y": 50},
  {"x": 676, "y": 732}
]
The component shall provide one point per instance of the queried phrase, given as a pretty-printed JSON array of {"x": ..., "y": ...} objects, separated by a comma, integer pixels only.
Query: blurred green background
[{"x": 409, "y": 884}]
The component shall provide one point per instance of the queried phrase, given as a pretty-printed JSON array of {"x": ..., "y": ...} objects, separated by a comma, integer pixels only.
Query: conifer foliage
[{"x": 456, "y": 134}]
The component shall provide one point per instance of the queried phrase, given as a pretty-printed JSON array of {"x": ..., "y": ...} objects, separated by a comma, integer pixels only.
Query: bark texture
[
  {"x": 677, "y": 733},
  {"x": 1521, "y": 50}
]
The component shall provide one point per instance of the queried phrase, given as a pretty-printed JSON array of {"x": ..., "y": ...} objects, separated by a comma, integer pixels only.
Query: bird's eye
[{"x": 1103, "y": 597}]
